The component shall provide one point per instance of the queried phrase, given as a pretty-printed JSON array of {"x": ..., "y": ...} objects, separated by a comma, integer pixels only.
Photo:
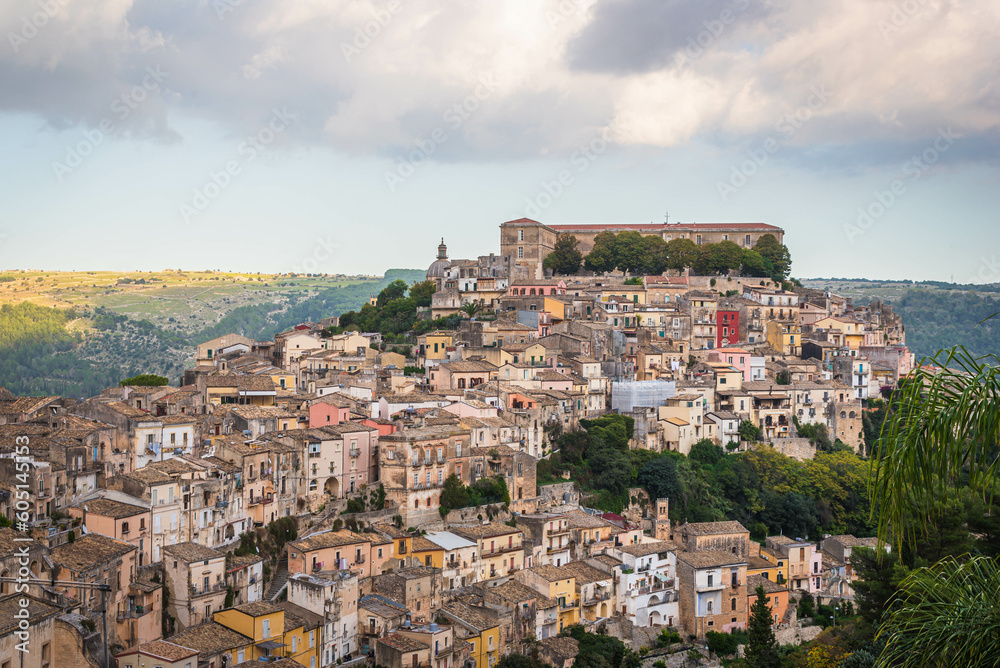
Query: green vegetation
[
  {"x": 395, "y": 312},
  {"x": 480, "y": 493},
  {"x": 937, "y": 315},
  {"x": 38, "y": 355},
  {"x": 761, "y": 488},
  {"x": 725, "y": 644},
  {"x": 601, "y": 651},
  {"x": 638, "y": 254},
  {"x": 90, "y": 330},
  {"x": 938, "y": 451},
  {"x": 145, "y": 380},
  {"x": 762, "y": 648},
  {"x": 565, "y": 258}
]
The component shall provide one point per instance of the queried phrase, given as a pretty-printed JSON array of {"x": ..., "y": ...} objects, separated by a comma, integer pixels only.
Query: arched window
[
  {"x": 843, "y": 414},
  {"x": 312, "y": 486},
  {"x": 852, "y": 414},
  {"x": 733, "y": 605},
  {"x": 710, "y": 607}
]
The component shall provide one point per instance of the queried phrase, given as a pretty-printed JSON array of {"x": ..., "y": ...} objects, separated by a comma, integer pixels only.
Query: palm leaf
[
  {"x": 945, "y": 615},
  {"x": 943, "y": 434}
]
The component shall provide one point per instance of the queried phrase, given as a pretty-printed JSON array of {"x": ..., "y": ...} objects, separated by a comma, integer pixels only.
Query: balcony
[
  {"x": 711, "y": 587},
  {"x": 355, "y": 453},
  {"x": 134, "y": 613},
  {"x": 211, "y": 589}
]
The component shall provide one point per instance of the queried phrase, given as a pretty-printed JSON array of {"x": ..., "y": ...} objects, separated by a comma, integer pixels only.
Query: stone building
[
  {"x": 525, "y": 243},
  {"x": 713, "y": 591},
  {"x": 730, "y": 537}
]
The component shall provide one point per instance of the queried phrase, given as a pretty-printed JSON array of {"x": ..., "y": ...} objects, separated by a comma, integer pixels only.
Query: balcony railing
[
  {"x": 134, "y": 613},
  {"x": 355, "y": 452},
  {"x": 195, "y": 591}
]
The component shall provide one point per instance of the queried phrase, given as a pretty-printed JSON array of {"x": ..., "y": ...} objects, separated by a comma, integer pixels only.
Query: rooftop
[
  {"x": 191, "y": 552},
  {"x": 88, "y": 551}
]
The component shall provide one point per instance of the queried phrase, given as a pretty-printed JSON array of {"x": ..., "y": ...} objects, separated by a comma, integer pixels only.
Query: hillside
[
  {"x": 937, "y": 315},
  {"x": 76, "y": 333}
]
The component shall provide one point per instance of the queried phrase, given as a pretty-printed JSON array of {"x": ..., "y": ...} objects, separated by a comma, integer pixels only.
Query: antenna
[{"x": 666, "y": 217}]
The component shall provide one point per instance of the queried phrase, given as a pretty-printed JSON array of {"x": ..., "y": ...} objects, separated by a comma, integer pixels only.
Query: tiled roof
[
  {"x": 191, "y": 552},
  {"x": 645, "y": 549},
  {"x": 402, "y": 643},
  {"x": 712, "y": 528},
  {"x": 11, "y": 542},
  {"x": 258, "y": 608},
  {"x": 11, "y": 605},
  {"x": 88, "y": 551},
  {"x": 162, "y": 649},
  {"x": 328, "y": 539},
  {"x": 710, "y": 558},
  {"x": 111, "y": 508},
  {"x": 210, "y": 639},
  {"x": 770, "y": 587}
]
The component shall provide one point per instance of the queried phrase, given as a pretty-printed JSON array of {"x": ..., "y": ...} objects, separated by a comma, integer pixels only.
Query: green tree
[
  {"x": 660, "y": 479},
  {"x": 629, "y": 253},
  {"x": 777, "y": 253},
  {"x": 761, "y": 650},
  {"x": 602, "y": 257},
  {"x": 145, "y": 380},
  {"x": 655, "y": 255},
  {"x": 565, "y": 257},
  {"x": 471, "y": 309},
  {"x": 681, "y": 253},
  {"x": 749, "y": 431},
  {"x": 395, "y": 290},
  {"x": 706, "y": 452},
  {"x": 421, "y": 293},
  {"x": 941, "y": 439},
  {"x": 753, "y": 263}
]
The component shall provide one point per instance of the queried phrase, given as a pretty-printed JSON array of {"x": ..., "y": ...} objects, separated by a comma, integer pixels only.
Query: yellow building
[
  {"x": 557, "y": 583},
  {"x": 426, "y": 552},
  {"x": 633, "y": 293},
  {"x": 852, "y": 332},
  {"x": 771, "y": 565},
  {"x": 501, "y": 550},
  {"x": 434, "y": 344},
  {"x": 273, "y": 634},
  {"x": 473, "y": 626},
  {"x": 786, "y": 337}
]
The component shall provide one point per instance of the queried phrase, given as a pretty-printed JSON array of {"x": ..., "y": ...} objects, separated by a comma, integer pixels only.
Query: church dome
[{"x": 437, "y": 269}]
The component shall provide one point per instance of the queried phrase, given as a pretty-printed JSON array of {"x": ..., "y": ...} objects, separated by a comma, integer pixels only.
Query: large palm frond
[
  {"x": 943, "y": 435},
  {"x": 945, "y": 615}
]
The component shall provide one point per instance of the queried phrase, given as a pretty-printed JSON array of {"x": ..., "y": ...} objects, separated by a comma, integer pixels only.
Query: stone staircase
[{"x": 279, "y": 580}]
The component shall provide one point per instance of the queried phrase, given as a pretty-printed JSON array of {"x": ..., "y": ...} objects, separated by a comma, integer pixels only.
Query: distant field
[{"x": 184, "y": 302}]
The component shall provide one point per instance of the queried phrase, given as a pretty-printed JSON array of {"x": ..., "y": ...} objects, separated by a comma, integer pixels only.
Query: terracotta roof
[
  {"x": 645, "y": 549},
  {"x": 191, "y": 552},
  {"x": 88, "y": 551},
  {"x": 162, "y": 649},
  {"x": 328, "y": 539},
  {"x": 11, "y": 605},
  {"x": 402, "y": 643},
  {"x": 11, "y": 542},
  {"x": 258, "y": 608},
  {"x": 111, "y": 508},
  {"x": 712, "y": 528},
  {"x": 710, "y": 558},
  {"x": 770, "y": 587},
  {"x": 210, "y": 639}
]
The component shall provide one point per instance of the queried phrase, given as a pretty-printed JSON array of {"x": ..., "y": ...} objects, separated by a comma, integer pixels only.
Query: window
[
  {"x": 265, "y": 628},
  {"x": 520, "y": 252},
  {"x": 733, "y": 605},
  {"x": 709, "y": 607},
  {"x": 520, "y": 235},
  {"x": 241, "y": 656},
  {"x": 45, "y": 654}
]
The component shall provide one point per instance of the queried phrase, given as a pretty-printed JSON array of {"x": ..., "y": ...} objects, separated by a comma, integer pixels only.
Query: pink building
[
  {"x": 360, "y": 466},
  {"x": 535, "y": 288},
  {"x": 734, "y": 357},
  {"x": 329, "y": 410}
]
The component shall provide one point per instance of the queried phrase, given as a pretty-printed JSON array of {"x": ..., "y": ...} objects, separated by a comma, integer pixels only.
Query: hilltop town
[{"x": 419, "y": 484}]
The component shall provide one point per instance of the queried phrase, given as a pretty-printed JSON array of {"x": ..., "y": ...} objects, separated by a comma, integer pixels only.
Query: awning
[
  {"x": 270, "y": 644},
  {"x": 660, "y": 576}
]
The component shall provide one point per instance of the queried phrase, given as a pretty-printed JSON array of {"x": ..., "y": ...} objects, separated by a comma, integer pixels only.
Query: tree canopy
[{"x": 565, "y": 257}]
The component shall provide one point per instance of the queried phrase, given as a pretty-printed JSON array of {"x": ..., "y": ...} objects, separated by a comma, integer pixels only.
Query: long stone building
[{"x": 524, "y": 243}]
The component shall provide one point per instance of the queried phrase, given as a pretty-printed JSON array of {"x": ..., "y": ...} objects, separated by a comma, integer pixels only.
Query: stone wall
[
  {"x": 796, "y": 448},
  {"x": 551, "y": 497}
]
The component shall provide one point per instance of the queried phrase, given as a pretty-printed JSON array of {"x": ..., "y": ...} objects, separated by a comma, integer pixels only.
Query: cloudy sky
[{"x": 349, "y": 136}]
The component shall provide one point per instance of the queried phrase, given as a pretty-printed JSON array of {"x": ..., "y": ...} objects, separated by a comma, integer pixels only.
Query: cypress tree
[{"x": 762, "y": 647}]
